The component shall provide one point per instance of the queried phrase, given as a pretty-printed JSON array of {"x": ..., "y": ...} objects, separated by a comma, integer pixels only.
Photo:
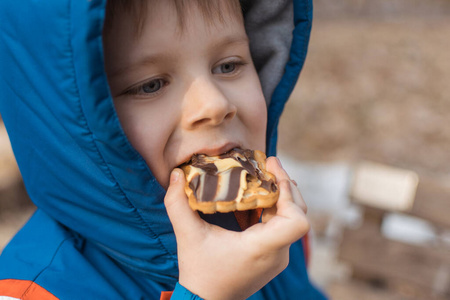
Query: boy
[{"x": 182, "y": 80}]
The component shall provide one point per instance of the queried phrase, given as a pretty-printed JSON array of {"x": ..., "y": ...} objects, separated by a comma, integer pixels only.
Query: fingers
[
  {"x": 287, "y": 204},
  {"x": 290, "y": 222},
  {"x": 268, "y": 213},
  {"x": 297, "y": 196},
  {"x": 286, "y": 222},
  {"x": 273, "y": 165},
  {"x": 182, "y": 217}
]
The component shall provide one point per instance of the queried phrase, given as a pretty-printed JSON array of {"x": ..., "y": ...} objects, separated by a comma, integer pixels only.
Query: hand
[{"x": 215, "y": 263}]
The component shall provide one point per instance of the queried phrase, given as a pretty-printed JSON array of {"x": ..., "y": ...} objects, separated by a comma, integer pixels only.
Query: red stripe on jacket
[
  {"x": 166, "y": 295},
  {"x": 24, "y": 290}
]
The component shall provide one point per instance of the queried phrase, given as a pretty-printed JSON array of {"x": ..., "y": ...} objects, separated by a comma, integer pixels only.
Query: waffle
[{"x": 236, "y": 180}]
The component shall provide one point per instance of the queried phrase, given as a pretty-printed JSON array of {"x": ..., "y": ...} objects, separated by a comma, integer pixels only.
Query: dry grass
[{"x": 374, "y": 90}]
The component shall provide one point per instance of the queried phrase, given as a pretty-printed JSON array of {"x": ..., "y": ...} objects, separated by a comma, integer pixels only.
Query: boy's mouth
[{"x": 213, "y": 151}]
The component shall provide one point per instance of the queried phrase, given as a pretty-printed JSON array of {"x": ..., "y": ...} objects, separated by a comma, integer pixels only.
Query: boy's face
[{"x": 183, "y": 91}]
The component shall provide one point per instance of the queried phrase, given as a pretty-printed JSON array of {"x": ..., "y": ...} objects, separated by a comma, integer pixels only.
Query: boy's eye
[
  {"x": 147, "y": 88},
  {"x": 152, "y": 86},
  {"x": 227, "y": 67}
]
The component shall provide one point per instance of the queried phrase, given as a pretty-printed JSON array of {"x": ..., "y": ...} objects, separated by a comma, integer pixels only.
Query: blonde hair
[{"x": 211, "y": 10}]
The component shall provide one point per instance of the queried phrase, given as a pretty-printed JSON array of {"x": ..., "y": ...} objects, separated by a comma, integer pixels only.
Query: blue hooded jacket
[{"x": 101, "y": 230}]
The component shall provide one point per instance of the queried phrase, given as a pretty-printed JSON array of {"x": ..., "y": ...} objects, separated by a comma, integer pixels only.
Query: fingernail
[{"x": 174, "y": 176}]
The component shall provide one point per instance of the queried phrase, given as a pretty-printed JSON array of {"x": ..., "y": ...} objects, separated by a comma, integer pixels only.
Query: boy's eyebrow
[
  {"x": 146, "y": 60},
  {"x": 153, "y": 58},
  {"x": 229, "y": 40}
]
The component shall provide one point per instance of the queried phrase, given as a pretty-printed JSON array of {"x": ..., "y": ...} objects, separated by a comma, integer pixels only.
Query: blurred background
[
  {"x": 370, "y": 115},
  {"x": 366, "y": 134}
]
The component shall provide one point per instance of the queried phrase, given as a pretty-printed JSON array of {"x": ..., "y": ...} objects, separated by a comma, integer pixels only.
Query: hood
[{"x": 75, "y": 159}]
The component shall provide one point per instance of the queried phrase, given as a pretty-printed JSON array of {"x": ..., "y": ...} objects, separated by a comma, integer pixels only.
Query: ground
[{"x": 373, "y": 90}]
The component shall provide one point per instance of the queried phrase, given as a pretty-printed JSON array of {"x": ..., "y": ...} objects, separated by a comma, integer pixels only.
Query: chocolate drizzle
[
  {"x": 234, "y": 183},
  {"x": 225, "y": 185},
  {"x": 209, "y": 192}
]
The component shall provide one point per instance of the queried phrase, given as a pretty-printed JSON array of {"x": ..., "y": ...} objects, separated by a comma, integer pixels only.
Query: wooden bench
[{"x": 385, "y": 268}]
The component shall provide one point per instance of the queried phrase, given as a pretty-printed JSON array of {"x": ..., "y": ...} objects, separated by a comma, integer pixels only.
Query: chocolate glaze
[
  {"x": 235, "y": 181},
  {"x": 198, "y": 161},
  {"x": 209, "y": 192},
  {"x": 209, "y": 189}
]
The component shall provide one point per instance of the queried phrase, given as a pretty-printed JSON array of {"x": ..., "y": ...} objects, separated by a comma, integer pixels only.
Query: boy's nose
[{"x": 206, "y": 105}]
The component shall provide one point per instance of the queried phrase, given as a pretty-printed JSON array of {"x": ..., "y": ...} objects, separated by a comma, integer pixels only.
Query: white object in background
[
  {"x": 408, "y": 229},
  {"x": 384, "y": 187},
  {"x": 324, "y": 186}
]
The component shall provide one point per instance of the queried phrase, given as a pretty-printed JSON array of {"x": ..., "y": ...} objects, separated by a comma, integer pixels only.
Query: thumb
[{"x": 182, "y": 217}]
